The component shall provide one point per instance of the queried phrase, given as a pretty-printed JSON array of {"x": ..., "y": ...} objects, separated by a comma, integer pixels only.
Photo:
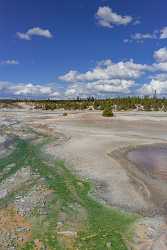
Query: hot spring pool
[{"x": 151, "y": 160}]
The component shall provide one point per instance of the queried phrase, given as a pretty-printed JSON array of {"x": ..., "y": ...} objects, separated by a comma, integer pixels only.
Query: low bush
[{"x": 107, "y": 113}]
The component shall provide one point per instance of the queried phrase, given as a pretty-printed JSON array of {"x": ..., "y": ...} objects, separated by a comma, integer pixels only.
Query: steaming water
[{"x": 151, "y": 160}]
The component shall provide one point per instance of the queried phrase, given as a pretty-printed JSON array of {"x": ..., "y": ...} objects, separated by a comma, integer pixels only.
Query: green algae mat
[{"x": 67, "y": 216}]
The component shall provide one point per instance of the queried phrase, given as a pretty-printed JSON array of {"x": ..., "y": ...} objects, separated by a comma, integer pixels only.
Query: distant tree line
[{"x": 117, "y": 104}]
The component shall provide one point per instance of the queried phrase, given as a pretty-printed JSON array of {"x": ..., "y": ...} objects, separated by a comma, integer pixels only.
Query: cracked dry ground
[{"x": 43, "y": 205}]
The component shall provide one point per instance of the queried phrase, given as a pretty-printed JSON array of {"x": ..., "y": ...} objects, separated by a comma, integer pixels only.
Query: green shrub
[{"x": 107, "y": 112}]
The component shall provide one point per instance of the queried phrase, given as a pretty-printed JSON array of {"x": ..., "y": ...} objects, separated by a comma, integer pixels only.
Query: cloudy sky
[{"x": 65, "y": 49}]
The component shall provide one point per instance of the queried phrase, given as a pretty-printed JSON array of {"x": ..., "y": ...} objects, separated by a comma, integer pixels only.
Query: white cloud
[
  {"x": 36, "y": 31},
  {"x": 100, "y": 88},
  {"x": 161, "y": 55},
  {"x": 23, "y": 36},
  {"x": 111, "y": 86},
  {"x": 71, "y": 76},
  {"x": 71, "y": 91},
  {"x": 28, "y": 89},
  {"x": 141, "y": 36},
  {"x": 54, "y": 94},
  {"x": 107, "y": 70},
  {"x": 160, "y": 77},
  {"x": 106, "y": 78},
  {"x": 9, "y": 62},
  {"x": 107, "y": 18},
  {"x": 160, "y": 85},
  {"x": 160, "y": 66},
  {"x": 163, "y": 33}
]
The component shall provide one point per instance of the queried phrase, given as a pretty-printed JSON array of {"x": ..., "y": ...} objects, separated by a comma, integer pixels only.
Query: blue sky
[{"x": 64, "y": 49}]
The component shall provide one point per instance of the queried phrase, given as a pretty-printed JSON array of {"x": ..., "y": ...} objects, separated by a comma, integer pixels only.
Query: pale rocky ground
[{"x": 88, "y": 142}]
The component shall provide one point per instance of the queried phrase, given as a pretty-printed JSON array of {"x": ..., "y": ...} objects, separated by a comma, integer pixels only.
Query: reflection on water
[{"x": 151, "y": 160}]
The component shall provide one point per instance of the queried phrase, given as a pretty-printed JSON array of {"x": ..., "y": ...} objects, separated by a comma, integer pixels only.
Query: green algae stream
[{"x": 100, "y": 228}]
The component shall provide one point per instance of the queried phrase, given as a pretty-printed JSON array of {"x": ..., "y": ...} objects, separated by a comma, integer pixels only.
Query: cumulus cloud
[
  {"x": 161, "y": 55},
  {"x": 54, "y": 94},
  {"x": 107, "y": 18},
  {"x": 71, "y": 76},
  {"x": 72, "y": 91},
  {"x": 28, "y": 89},
  {"x": 106, "y": 78},
  {"x": 160, "y": 85},
  {"x": 159, "y": 80},
  {"x": 35, "y": 31},
  {"x": 109, "y": 78},
  {"x": 107, "y": 70},
  {"x": 163, "y": 33},
  {"x": 160, "y": 77},
  {"x": 100, "y": 88},
  {"x": 162, "y": 66},
  {"x": 9, "y": 62},
  {"x": 111, "y": 86}
]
